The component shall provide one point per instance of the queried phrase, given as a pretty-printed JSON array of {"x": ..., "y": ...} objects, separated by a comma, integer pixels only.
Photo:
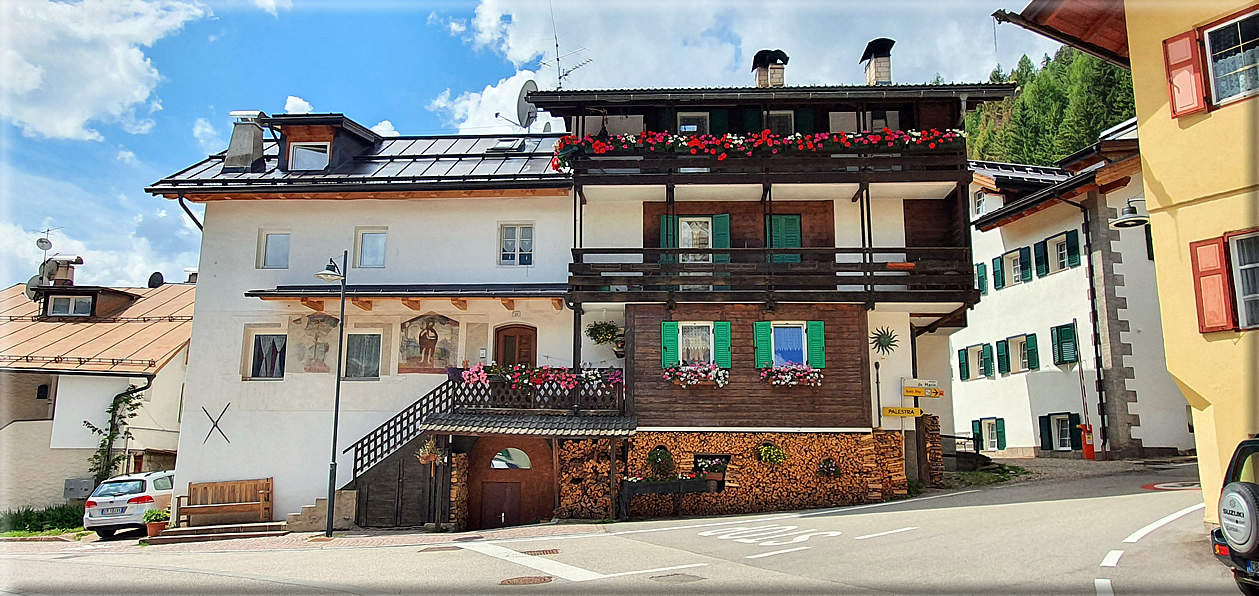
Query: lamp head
[
  {"x": 1128, "y": 218},
  {"x": 331, "y": 272}
]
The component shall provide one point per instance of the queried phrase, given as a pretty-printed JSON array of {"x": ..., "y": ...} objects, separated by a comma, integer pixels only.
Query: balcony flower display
[
  {"x": 602, "y": 376},
  {"x": 669, "y": 478},
  {"x": 763, "y": 143},
  {"x": 525, "y": 377},
  {"x": 687, "y": 375},
  {"x": 790, "y": 375}
]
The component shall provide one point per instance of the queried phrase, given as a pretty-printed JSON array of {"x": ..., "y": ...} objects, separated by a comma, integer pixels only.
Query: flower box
[
  {"x": 690, "y": 375},
  {"x": 791, "y": 375},
  {"x": 714, "y": 475}
]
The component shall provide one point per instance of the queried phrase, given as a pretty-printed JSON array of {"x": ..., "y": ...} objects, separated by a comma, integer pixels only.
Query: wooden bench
[{"x": 235, "y": 496}]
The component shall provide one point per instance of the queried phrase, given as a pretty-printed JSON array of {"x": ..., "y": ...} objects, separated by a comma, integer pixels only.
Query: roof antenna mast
[{"x": 560, "y": 73}]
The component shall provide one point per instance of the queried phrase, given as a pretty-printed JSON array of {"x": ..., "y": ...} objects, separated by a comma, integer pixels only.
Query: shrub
[
  {"x": 661, "y": 462},
  {"x": 770, "y": 454},
  {"x": 28, "y": 519},
  {"x": 156, "y": 515},
  {"x": 827, "y": 468}
]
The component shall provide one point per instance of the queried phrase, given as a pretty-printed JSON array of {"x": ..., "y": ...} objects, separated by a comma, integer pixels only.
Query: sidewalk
[{"x": 1052, "y": 468}]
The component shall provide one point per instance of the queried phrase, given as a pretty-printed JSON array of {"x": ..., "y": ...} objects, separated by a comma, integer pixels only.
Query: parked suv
[
  {"x": 1236, "y": 541},
  {"x": 120, "y": 502}
]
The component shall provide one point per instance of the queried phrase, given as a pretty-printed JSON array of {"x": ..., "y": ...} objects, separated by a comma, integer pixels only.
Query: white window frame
[
  {"x": 708, "y": 124},
  {"x": 1239, "y": 299},
  {"x": 250, "y": 334},
  {"x": 264, "y": 237},
  {"x": 1206, "y": 38},
  {"x": 1056, "y": 430},
  {"x": 1013, "y": 273},
  {"x": 358, "y": 247},
  {"x": 1016, "y": 352},
  {"x": 1062, "y": 256},
  {"x": 293, "y": 147},
  {"x": 979, "y": 202},
  {"x": 788, "y": 113},
  {"x": 712, "y": 340},
  {"x": 498, "y": 248},
  {"x": 71, "y": 301},
  {"x": 990, "y": 434},
  {"x": 804, "y": 338},
  {"x": 975, "y": 360},
  {"x": 380, "y": 355}
]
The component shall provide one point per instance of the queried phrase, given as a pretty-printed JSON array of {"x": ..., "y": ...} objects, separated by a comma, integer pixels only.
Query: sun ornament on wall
[{"x": 883, "y": 341}]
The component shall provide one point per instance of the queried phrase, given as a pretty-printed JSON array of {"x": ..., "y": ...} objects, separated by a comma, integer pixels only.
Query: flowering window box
[
  {"x": 691, "y": 375},
  {"x": 791, "y": 375}
]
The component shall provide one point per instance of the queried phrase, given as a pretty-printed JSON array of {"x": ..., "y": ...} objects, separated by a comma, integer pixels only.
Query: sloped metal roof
[
  {"x": 1020, "y": 172},
  {"x": 395, "y": 163},
  {"x": 551, "y": 425},
  {"x": 808, "y": 92},
  {"x": 140, "y": 338}
]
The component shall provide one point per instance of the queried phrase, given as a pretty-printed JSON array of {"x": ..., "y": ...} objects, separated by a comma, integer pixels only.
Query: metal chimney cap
[
  {"x": 765, "y": 58},
  {"x": 878, "y": 48}
]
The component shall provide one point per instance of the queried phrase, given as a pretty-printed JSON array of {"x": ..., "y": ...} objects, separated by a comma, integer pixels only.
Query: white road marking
[
  {"x": 777, "y": 552},
  {"x": 1111, "y": 559},
  {"x": 1102, "y": 586},
  {"x": 556, "y": 568},
  {"x": 885, "y": 533},
  {"x": 1139, "y": 534}
]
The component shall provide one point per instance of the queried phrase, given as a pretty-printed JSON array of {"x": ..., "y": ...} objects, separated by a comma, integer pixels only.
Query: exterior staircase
[
  {"x": 224, "y": 532},
  {"x": 314, "y": 518}
]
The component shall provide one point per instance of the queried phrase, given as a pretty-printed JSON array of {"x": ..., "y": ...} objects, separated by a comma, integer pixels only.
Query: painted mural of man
[{"x": 428, "y": 343}]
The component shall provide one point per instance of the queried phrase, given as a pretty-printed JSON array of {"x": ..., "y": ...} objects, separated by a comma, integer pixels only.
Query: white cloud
[
  {"x": 473, "y": 112},
  {"x": 297, "y": 105},
  {"x": 274, "y": 6},
  {"x": 385, "y": 128},
  {"x": 207, "y": 136},
  {"x": 126, "y": 156},
  {"x": 68, "y": 65}
]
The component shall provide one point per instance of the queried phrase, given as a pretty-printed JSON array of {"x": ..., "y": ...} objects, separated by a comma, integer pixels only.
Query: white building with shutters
[{"x": 1067, "y": 330}]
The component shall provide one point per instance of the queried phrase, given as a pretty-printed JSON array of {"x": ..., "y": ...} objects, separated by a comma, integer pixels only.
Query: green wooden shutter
[
  {"x": 1001, "y": 433},
  {"x": 1056, "y": 345},
  {"x": 1025, "y": 264},
  {"x": 1046, "y": 434},
  {"x": 963, "y": 365},
  {"x": 1042, "y": 258},
  {"x": 1003, "y": 356},
  {"x": 668, "y": 236},
  {"x": 1033, "y": 358},
  {"x": 804, "y": 121},
  {"x": 752, "y": 121},
  {"x": 987, "y": 356},
  {"x": 721, "y": 236},
  {"x": 718, "y": 122},
  {"x": 761, "y": 331},
  {"x": 816, "y": 330},
  {"x": 1073, "y": 248},
  {"x": 1077, "y": 434},
  {"x": 981, "y": 277},
  {"x": 783, "y": 231},
  {"x": 998, "y": 274},
  {"x": 977, "y": 433},
  {"x": 1070, "y": 349},
  {"x": 668, "y": 343},
  {"x": 721, "y": 343}
]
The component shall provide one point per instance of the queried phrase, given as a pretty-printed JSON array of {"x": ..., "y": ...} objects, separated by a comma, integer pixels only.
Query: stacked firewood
[
  {"x": 585, "y": 480},
  {"x": 935, "y": 451},
  {"x": 871, "y": 468},
  {"x": 459, "y": 491}
]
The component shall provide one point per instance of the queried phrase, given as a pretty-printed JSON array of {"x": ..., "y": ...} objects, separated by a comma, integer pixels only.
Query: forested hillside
[{"x": 1061, "y": 107}]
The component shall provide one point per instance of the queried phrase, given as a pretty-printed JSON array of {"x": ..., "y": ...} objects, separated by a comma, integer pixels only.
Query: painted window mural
[
  {"x": 430, "y": 343},
  {"x": 312, "y": 336}
]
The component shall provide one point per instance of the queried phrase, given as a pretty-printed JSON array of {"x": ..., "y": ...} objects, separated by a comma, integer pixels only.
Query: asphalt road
[{"x": 1091, "y": 536}]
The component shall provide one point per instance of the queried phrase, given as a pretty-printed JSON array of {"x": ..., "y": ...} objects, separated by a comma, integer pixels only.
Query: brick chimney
[
  {"x": 878, "y": 59},
  {"x": 769, "y": 66}
]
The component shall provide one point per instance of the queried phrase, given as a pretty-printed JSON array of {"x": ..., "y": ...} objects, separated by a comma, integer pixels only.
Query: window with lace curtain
[
  {"x": 362, "y": 356},
  {"x": 696, "y": 343},
  {"x": 269, "y": 352}
]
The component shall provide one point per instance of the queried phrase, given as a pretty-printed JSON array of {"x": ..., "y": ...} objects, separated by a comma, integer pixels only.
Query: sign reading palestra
[{"x": 903, "y": 412}]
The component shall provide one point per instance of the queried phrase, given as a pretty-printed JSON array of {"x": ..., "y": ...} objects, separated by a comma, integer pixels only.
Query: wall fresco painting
[
  {"x": 312, "y": 337},
  {"x": 429, "y": 344}
]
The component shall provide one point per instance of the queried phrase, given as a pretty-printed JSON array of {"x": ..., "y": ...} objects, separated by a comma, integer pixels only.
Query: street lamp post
[{"x": 333, "y": 273}]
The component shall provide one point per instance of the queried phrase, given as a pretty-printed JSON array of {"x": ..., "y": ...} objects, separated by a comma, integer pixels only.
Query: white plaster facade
[{"x": 1020, "y": 398}]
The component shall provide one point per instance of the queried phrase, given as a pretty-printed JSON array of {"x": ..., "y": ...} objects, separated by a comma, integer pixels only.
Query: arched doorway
[{"x": 516, "y": 344}]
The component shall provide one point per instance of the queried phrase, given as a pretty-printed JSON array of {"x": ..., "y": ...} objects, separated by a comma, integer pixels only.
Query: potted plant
[
  {"x": 791, "y": 375},
  {"x": 689, "y": 375},
  {"x": 827, "y": 468},
  {"x": 713, "y": 468},
  {"x": 430, "y": 453},
  {"x": 607, "y": 332},
  {"x": 156, "y": 520}
]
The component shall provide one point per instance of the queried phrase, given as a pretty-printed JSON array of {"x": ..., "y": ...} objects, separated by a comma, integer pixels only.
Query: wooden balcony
[{"x": 854, "y": 275}]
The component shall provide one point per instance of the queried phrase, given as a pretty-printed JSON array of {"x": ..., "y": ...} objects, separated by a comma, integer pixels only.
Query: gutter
[
  {"x": 189, "y": 212},
  {"x": 214, "y": 186},
  {"x": 80, "y": 373},
  {"x": 113, "y": 421},
  {"x": 1049, "y": 193}
]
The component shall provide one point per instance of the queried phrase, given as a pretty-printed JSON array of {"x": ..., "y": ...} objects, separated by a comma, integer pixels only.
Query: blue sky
[{"x": 103, "y": 97}]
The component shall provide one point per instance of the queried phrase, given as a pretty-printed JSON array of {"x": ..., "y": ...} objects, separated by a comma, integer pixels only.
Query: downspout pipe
[
  {"x": 189, "y": 212},
  {"x": 1093, "y": 320},
  {"x": 113, "y": 421}
]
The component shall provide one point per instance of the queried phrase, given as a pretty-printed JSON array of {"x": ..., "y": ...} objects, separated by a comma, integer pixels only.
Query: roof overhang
[
  {"x": 1095, "y": 27},
  {"x": 417, "y": 296},
  {"x": 555, "y": 186},
  {"x": 1039, "y": 201}
]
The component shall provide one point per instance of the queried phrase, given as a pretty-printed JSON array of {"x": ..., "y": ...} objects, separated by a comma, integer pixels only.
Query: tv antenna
[
  {"x": 44, "y": 243},
  {"x": 560, "y": 72}
]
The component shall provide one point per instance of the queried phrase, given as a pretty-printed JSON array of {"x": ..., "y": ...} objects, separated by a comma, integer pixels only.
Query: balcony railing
[{"x": 766, "y": 275}]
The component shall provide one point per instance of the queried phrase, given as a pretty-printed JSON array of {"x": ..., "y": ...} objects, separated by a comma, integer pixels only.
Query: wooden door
[
  {"x": 500, "y": 504},
  {"x": 516, "y": 344}
]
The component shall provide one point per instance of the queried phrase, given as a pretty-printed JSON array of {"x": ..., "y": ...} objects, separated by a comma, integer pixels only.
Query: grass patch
[
  {"x": 991, "y": 474},
  {"x": 58, "y": 519},
  {"x": 915, "y": 488},
  {"x": 78, "y": 533}
]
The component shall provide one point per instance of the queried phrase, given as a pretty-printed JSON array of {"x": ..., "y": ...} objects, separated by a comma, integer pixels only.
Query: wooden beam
[
  {"x": 362, "y": 303},
  {"x": 508, "y": 303},
  {"x": 1114, "y": 185},
  {"x": 459, "y": 304},
  {"x": 311, "y": 303},
  {"x": 412, "y": 303},
  {"x": 1118, "y": 170},
  {"x": 558, "y": 303}
]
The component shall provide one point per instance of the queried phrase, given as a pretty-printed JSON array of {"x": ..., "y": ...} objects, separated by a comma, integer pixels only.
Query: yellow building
[{"x": 1195, "y": 72}]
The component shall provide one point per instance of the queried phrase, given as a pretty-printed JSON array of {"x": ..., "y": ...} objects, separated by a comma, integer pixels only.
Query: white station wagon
[{"x": 119, "y": 503}]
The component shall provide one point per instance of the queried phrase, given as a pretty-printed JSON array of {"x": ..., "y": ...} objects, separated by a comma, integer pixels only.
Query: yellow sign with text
[
  {"x": 903, "y": 412},
  {"x": 923, "y": 392}
]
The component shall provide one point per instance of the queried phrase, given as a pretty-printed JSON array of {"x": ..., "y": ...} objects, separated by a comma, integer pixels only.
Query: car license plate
[
  {"x": 1252, "y": 566},
  {"x": 113, "y": 510}
]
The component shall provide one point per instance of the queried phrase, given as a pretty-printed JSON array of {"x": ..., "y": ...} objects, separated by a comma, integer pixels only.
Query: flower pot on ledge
[
  {"x": 713, "y": 475},
  {"x": 155, "y": 528}
]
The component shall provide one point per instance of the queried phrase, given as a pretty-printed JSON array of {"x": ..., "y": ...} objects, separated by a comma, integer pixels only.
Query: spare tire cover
[{"x": 1239, "y": 503}]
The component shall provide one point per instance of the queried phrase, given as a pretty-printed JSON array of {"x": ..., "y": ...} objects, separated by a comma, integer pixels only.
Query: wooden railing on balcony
[
  {"x": 452, "y": 396},
  {"x": 757, "y": 275}
]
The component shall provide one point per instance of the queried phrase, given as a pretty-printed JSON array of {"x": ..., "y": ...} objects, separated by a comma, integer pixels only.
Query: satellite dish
[
  {"x": 156, "y": 280},
  {"x": 31, "y": 284},
  {"x": 43, "y": 243},
  {"x": 546, "y": 127},
  {"x": 526, "y": 112}
]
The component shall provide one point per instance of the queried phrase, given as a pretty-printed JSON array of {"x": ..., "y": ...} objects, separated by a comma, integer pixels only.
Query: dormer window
[
  {"x": 308, "y": 156},
  {"x": 70, "y": 306},
  {"x": 508, "y": 145}
]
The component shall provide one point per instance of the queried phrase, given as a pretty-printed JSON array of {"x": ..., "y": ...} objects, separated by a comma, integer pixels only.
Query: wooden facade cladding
[
  {"x": 843, "y": 400},
  {"x": 747, "y": 220}
]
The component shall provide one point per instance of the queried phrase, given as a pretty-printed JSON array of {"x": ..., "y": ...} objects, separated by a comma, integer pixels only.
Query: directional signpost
[
  {"x": 917, "y": 388},
  {"x": 903, "y": 412}
]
